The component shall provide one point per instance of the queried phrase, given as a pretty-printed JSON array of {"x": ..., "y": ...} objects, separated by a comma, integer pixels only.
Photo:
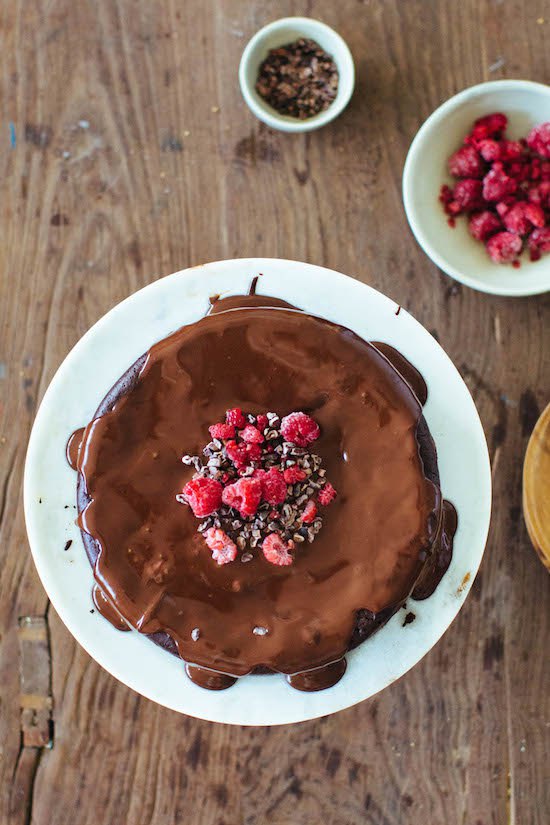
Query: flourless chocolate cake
[{"x": 259, "y": 492}]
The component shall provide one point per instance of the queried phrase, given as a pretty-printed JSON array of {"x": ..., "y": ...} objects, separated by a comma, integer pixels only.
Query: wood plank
[{"x": 123, "y": 172}]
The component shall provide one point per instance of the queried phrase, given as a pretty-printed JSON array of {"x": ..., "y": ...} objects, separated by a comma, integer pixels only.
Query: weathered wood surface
[{"x": 134, "y": 156}]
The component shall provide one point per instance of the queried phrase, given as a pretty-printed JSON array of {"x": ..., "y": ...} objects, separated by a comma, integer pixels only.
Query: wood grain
[{"x": 135, "y": 156}]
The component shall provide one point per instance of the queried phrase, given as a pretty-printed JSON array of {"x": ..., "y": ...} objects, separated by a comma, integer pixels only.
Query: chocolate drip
[
  {"x": 73, "y": 447},
  {"x": 404, "y": 367},
  {"x": 261, "y": 354},
  {"x": 441, "y": 555},
  {"x": 209, "y": 679},
  {"x": 320, "y": 678},
  {"x": 107, "y": 609}
]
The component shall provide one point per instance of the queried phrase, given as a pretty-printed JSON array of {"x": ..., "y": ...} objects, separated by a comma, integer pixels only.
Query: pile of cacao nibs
[
  {"x": 258, "y": 485},
  {"x": 503, "y": 189},
  {"x": 299, "y": 79}
]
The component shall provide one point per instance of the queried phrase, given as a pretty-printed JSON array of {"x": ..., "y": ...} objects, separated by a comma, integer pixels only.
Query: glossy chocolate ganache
[{"x": 386, "y": 536}]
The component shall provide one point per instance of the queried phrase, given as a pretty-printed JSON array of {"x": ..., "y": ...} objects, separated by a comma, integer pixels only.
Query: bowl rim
[
  {"x": 285, "y": 123},
  {"x": 436, "y": 117},
  {"x": 103, "y": 353}
]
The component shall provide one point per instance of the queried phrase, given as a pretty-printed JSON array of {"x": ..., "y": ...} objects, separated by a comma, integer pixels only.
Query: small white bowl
[
  {"x": 279, "y": 33},
  {"x": 454, "y": 250}
]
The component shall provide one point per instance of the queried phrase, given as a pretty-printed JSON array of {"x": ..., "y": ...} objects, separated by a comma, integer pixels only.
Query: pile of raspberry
[
  {"x": 258, "y": 485},
  {"x": 503, "y": 188}
]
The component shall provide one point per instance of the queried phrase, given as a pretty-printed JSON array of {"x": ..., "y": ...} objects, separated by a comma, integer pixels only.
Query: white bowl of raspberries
[{"x": 476, "y": 187}]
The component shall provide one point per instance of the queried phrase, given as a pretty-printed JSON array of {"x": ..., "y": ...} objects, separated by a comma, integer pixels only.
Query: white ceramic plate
[
  {"x": 98, "y": 360},
  {"x": 454, "y": 250}
]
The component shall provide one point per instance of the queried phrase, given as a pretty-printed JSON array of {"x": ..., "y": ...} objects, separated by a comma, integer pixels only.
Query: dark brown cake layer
[{"x": 385, "y": 523}]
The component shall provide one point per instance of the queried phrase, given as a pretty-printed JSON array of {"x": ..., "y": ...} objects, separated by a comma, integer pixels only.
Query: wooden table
[{"x": 127, "y": 153}]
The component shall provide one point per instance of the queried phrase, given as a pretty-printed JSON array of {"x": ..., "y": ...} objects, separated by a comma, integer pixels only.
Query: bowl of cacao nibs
[
  {"x": 296, "y": 74},
  {"x": 476, "y": 187}
]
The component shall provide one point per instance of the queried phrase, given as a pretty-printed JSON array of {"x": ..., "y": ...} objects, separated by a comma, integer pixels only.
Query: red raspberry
[
  {"x": 538, "y": 140},
  {"x": 236, "y": 453},
  {"x": 522, "y": 217},
  {"x": 300, "y": 429},
  {"x": 261, "y": 422},
  {"x": 483, "y": 224},
  {"x": 515, "y": 220},
  {"x": 468, "y": 194},
  {"x": 326, "y": 494},
  {"x": 466, "y": 163},
  {"x": 539, "y": 242},
  {"x": 310, "y": 511},
  {"x": 487, "y": 127},
  {"x": 276, "y": 551},
  {"x": 251, "y": 435},
  {"x": 222, "y": 431},
  {"x": 294, "y": 474},
  {"x": 540, "y": 194},
  {"x": 223, "y": 549},
  {"x": 203, "y": 495},
  {"x": 502, "y": 208},
  {"x": 235, "y": 417},
  {"x": 273, "y": 486},
  {"x": 511, "y": 149},
  {"x": 497, "y": 184},
  {"x": 504, "y": 247},
  {"x": 253, "y": 453},
  {"x": 243, "y": 495},
  {"x": 490, "y": 150}
]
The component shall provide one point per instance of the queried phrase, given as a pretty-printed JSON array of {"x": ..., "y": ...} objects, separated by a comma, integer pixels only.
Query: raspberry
[
  {"x": 504, "y": 247},
  {"x": 523, "y": 216},
  {"x": 502, "y": 208},
  {"x": 251, "y": 435},
  {"x": 489, "y": 126},
  {"x": 299, "y": 429},
  {"x": 222, "y": 431},
  {"x": 276, "y": 551},
  {"x": 466, "y": 163},
  {"x": 539, "y": 242},
  {"x": 497, "y": 184},
  {"x": 253, "y": 453},
  {"x": 261, "y": 422},
  {"x": 294, "y": 474},
  {"x": 540, "y": 194},
  {"x": 235, "y": 417},
  {"x": 243, "y": 495},
  {"x": 223, "y": 549},
  {"x": 468, "y": 194},
  {"x": 515, "y": 220},
  {"x": 310, "y": 511},
  {"x": 326, "y": 494},
  {"x": 203, "y": 495},
  {"x": 237, "y": 453},
  {"x": 538, "y": 139},
  {"x": 273, "y": 486},
  {"x": 483, "y": 224},
  {"x": 490, "y": 150},
  {"x": 511, "y": 149}
]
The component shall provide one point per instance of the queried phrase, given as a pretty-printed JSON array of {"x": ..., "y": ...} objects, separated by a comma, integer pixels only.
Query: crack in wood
[{"x": 35, "y": 699}]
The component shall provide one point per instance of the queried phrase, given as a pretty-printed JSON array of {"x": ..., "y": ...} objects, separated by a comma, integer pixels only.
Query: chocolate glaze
[
  {"x": 411, "y": 375},
  {"x": 73, "y": 447},
  {"x": 209, "y": 679},
  {"x": 381, "y": 536},
  {"x": 107, "y": 609},
  {"x": 319, "y": 679}
]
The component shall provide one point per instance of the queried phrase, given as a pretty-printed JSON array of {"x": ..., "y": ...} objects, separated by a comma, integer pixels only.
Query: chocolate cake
[{"x": 385, "y": 534}]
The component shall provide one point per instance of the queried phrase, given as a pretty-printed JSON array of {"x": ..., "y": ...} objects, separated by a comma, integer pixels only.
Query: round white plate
[{"x": 99, "y": 359}]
